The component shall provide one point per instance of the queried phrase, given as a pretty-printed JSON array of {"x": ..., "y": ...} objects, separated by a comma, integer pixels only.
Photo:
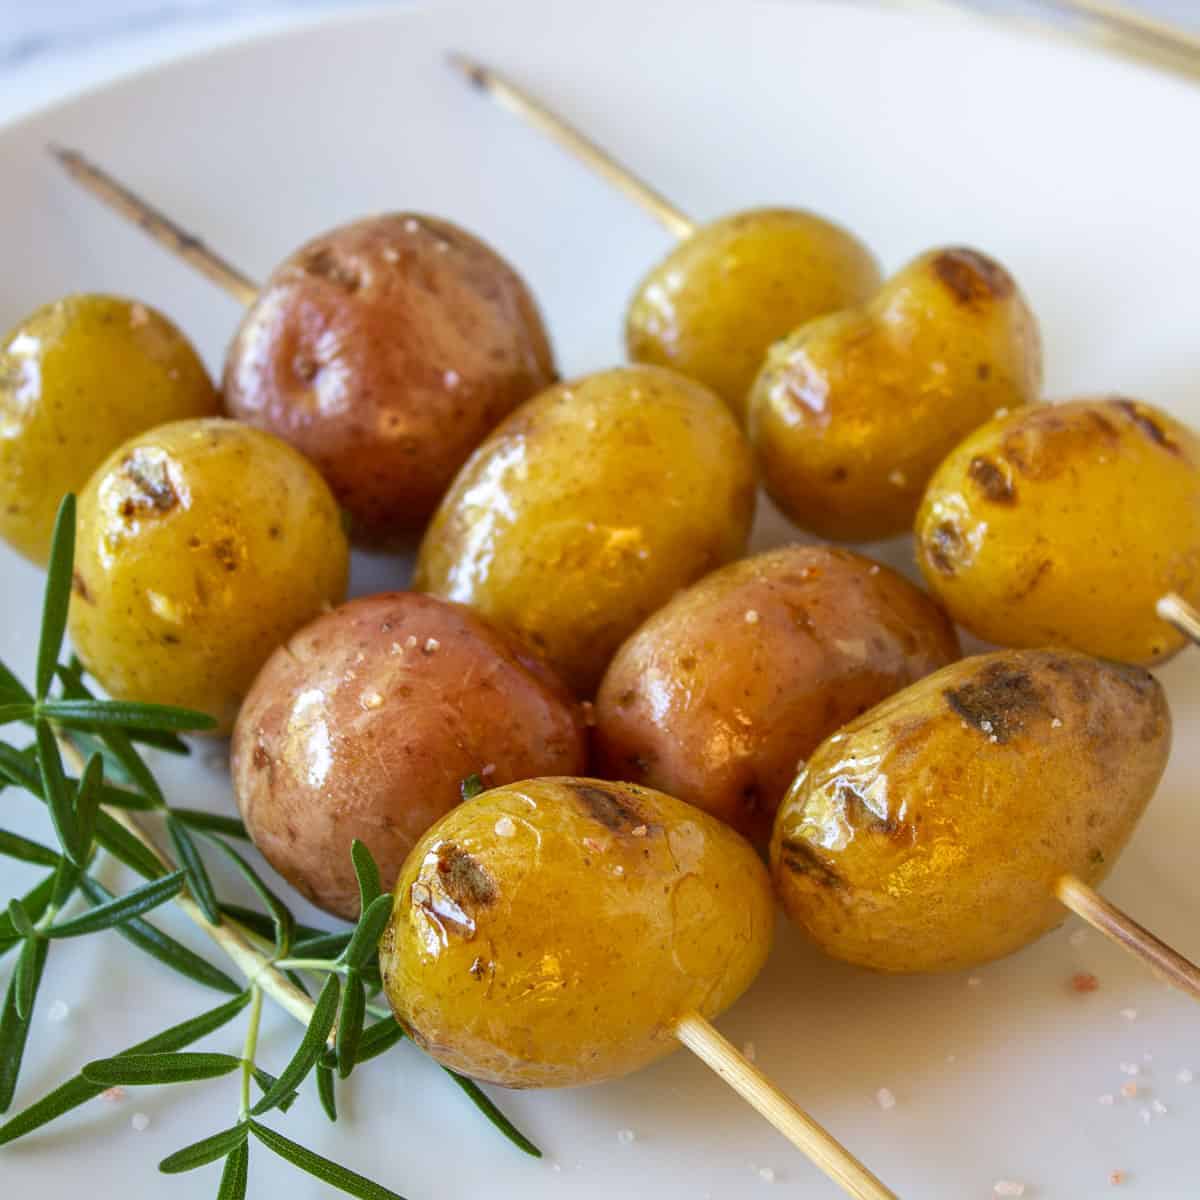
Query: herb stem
[
  {"x": 310, "y": 964},
  {"x": 250, "y": 1048}
]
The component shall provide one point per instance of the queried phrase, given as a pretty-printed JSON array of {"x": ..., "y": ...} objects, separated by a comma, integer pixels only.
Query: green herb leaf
[
  {"x": 206, "y": 822},
  {"x": 34, "y": 902},
  {"x": 87, "y": 802},
  {"x": 78, "y": 1090},
  {"x": 162, "y": 947},
  {"x": 21, "y": 768},
  {"x": 325, "y": 1090},
  {"x": 57, "y": 595},
  {"x": 145, "y": 1070},
  {"x": 323, "y": 1169},
  {"x": 367, "y": 933},
  {"x": 113, "y": 912},
  {"x": 119, "y": 797},
  {"x": 267, "y": 1081},
  {"x": 120, "y": 843},
  {"x": 13, "y": 845},
  {"x": 125, "y": 714},
  {"x": 262, "y": 925},
  {"x": 28, "y": 975},
  {"x": 367, "y": 870},
  {"x": 66, "y": 879},
  {"x": 350, "y": 1024},
  {"x": 378, "y": 1038},
  {"x": 233, "y": 1178},
  {"x": 205, "y": 1151},
  {"x": 18, "y": 711},
  {"x": 11, "y": 688},
  {"x": 309, "y": 1050},
  {"x": 284, "y": 923},
  {"x": 58, "y": 793},
  {"x": 199, "y": 883},
  {"x": 18, "y": 918},
  {"x": 493, "y": 1114},
  {"x": 470, "y": 787},
  {"x": 14, "y": 1031},
  {"x": 324, "y": 945}
]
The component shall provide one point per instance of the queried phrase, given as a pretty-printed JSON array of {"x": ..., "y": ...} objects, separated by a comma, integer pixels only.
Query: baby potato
[
  {"x": 201, "y": 546},
  {"x": 385, "y": 351},
  {"x": 365, "y": 723},
  {"x": 553, "y": 932},
  {"x": 929, "y": 834},
  {"x": 852, "y": 413},
  {"x": 77, "y": 378},
  {"x": 589, "y": 508},
  {"x": 1064, "y": 525},
  {"x": 715, "y": 304},
  {"x": 720, "y": 692}
]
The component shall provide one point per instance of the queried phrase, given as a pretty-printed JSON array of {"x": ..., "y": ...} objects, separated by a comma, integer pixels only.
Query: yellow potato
[
  {"x": 201, "y": 546},
  {"x": 588, "y": 508},
  {"x": 1064, "y": 525},
  {"x": 852, "y": 413},
  {"x": 553, "y": 932},
  {"x": 715, "y": 304},
  {"x": 78, "y": 378},
  {"x": 928, "y": 835}
]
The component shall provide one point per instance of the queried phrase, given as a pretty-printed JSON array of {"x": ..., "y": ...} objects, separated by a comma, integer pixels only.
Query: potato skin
[
  {"x": 385, "y": 351},
  {"x": 928, "y": 834},
  {"x": 552, "y": 932},
  {"x": 77, "y": 378},
  {"x": 723, "y": 690},
  {"x": 201, "y": 546},
  {"x": 714, "y": 305},
  {"x": 1064, "y": 525},
  {"x": 367, "y": 721},
  {"x": 588, "y": 509},
  {"x": 852, "y": 413}
]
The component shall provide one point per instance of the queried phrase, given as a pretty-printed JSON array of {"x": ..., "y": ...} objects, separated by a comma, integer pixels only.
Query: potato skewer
[
  {"x": 1172, "y": 607},
  {"x": 692, "y": 1030}
]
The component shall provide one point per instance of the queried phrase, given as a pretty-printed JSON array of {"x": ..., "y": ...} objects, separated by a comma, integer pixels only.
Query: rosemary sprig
[{"x": 86, "y": 766}]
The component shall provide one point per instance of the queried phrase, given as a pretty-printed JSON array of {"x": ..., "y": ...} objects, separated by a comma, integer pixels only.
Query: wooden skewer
[
  {"x": 800, "y": 1129},
  {"x": 1175, "y": 609},
  {"x": 518, "y": 100},
  {"x": 160, "y": 227},
  {"x": 1118, "y": 927}
]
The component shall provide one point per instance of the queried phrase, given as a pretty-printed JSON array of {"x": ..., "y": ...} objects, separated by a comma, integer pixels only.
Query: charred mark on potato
[
  {"x": 146, "y": 483},
  {"x": 1036, "y": 576},
  {"x": 611, "y": 810},
  {"x": 944, "y": 545},
  {"x": 464, "y": 879},
  {"x": 972, "y": 278},
  {"x": 260, "y": 758},
  {"x": 325, "y": 264},
  {"x": 225, "y": 552},
  {"x": 1147, "y": 424},
  {"x": 997, "y": 702},
  {"x": 80, "y": 588},
  {"x": 993, "y": 482},
  {"x": 859, "y": 813},
  {"x": 983, "y": 372},
  {"x": 801, "y": 859}
]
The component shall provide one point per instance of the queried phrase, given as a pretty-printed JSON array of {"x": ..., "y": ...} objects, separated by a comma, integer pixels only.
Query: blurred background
[{"x": 30, "y": 31}]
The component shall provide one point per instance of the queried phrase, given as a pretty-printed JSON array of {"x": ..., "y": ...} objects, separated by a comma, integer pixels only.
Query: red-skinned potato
[
  {"x": 385, "y": 351},
  {"x": 365, "y": 724},
  {"x": 719, "y": 694}
]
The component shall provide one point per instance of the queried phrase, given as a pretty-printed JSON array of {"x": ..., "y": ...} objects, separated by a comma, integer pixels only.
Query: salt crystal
[
  {"x": 432, "y": 646},
  {"x": 588, "y": 709},
  {"x": 397, "y": 648},
  {"x": 487, "y": 769},
  {"x": 874, "y": 569},
  {"x": 1008, "y": 1187},
  {"x": 1129, "y": 1068},
  {"x": 638, "y": 831},
  {"x": 1146, "y": 1115},
  {"x": 451, "y": 379},
  {"x": 1129, "y": 1090},
  {"x": 1158, "y": 1106},
  {"x": 885, "y": 1098},
  {"x": 986, "y": 726},
  {"x": 138, "y": 316},
  {"x": 391, "y": 254},
  {"x": 1107, "y": 1099},
  {"x": 59, "y": 1011},
  {"x": 411, "y": 226},
  {"x": 1116, "y": 1178},
  {"x": 974, "y": 982},
  {"x": 410, "y": 642},
  {"x": 897, "y": 479},
  {"x": 506, "y": 827},
  {"x": 751, "y": 616},
  {"x": 626, "y": 1136},
  {"x": 749, "y": 1051},
  {"x": 1184, "y": 1076},
  {"x": 1078, "y": 937},
  {"x": 370, "y": 700},
  {"x": 1000, "y": 412},
  {"x": 1056, "y": 723},
  {"x": 114, "y": 1095},
  {"x": 618, "y": 870},
  {"x": 766, "y": 1174},
  {"x": 140, "y": 1122},
  {"x": 1130, "y": 1014}
]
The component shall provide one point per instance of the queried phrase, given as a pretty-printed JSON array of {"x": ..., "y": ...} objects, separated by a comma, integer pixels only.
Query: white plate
[{"x": 1072, "y": 168}]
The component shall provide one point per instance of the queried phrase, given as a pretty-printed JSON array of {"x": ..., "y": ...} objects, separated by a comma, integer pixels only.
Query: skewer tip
[{"x": 474, "y": 72}]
